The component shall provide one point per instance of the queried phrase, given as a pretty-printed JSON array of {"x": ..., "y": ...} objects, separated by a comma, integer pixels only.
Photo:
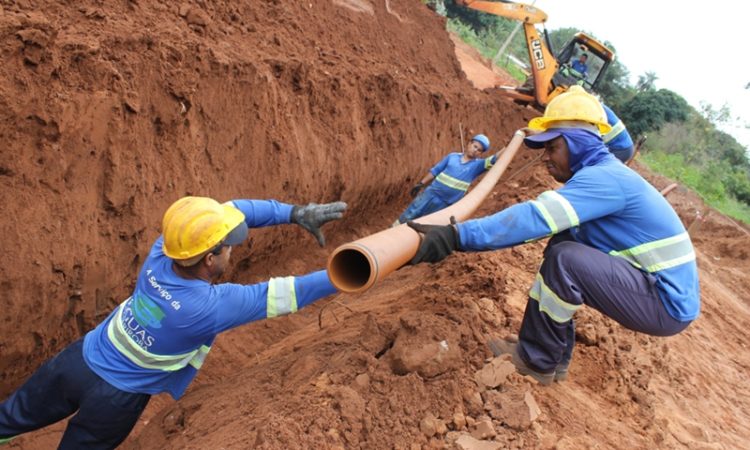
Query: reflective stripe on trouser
[
  {"x": 578, "y": 274},
  {"x": 119, "y": 337},
  {"x": 282, "y": 297},
  {"x": 425, "y": 203},
  {"x": 62, "y": 385}
]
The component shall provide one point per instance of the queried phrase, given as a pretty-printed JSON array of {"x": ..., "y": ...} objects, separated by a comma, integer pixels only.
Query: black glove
[
  {"x": 312, "y": 216},
  {"x": 438, "y": 242},
  {"x": 415, "y": 190}
]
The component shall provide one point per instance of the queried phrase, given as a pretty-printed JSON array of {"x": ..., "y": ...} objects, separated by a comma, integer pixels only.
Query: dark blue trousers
[
  {"x": 64, "y": 385},
  {"x": 425, "y": 203},
  {"x": 579, "y": 274}
]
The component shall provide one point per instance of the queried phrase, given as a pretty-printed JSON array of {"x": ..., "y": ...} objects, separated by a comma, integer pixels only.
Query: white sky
[{"x": 697, "y": 50}]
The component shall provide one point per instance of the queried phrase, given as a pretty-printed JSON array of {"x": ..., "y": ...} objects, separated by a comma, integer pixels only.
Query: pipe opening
[{"x": 349, "y": 270}]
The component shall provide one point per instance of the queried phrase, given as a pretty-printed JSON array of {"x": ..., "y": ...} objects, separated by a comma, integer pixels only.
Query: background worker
[
  {"x": 618, "y": 141},
  {"x": 158, "y": 338},
  {"x": 580, "y": 66},
  {"x": 453, "y": 175},
  {"x": 617, "y": 245}
]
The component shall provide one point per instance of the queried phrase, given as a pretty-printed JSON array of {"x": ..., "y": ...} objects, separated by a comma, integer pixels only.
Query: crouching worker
[
  {"x": 158, "y": 338},
  {"x": 453, "y": 175},
  {"x": 617, "y": 245}
]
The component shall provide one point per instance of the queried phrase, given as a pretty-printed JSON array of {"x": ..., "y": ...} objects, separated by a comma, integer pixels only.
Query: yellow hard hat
[
  {"x": 575, "y": 105},
  {"x": 194, "y": 225}
]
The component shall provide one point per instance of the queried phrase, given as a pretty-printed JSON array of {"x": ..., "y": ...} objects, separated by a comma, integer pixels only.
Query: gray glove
[{"x": 312, "y": 216}]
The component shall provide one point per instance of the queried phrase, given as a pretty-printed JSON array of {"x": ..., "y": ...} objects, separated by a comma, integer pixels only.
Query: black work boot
[
  {"x": 561, "y": 371},
  {"x": 503, "y": 347}
]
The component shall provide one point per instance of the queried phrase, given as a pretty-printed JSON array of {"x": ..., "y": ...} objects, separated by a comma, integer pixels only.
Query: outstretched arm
[
  {"x": 263, "y": 213},
  {"x": 280, "y": 296}
]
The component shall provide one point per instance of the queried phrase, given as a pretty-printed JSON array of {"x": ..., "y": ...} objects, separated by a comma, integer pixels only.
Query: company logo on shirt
[
  {"x": 138, "y": 313},
  {"x": 146, "y": 312}
]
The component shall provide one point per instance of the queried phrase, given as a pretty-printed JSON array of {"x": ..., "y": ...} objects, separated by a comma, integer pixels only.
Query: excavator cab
[
  {"x": 550, "y": 75},
  {"x": 582, "y": 61}
]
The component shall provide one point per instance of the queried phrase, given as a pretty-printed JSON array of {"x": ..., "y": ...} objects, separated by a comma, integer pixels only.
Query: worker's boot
[
  {"x": 503, "y": 347},
  {"x": 561, "y": 371}
]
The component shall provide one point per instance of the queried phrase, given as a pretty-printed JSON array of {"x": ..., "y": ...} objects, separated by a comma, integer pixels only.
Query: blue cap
[
  {"x": 537, "y": 141},
  {"x": 237, "y": 235},
  {"x": 483, "y": 140}
]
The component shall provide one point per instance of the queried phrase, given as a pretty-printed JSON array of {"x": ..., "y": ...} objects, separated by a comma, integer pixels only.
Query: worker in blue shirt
[
  {"x": 452, "y": 177},
  {"x": 158, "y": 338},
  {"x": 617, "y": 245},
  {"x": 580, "y": 66},
  {"x": 618, "y": 141}
]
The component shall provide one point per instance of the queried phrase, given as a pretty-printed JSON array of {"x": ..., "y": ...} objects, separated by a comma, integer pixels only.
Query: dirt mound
[{"x": 112, "y": 112}]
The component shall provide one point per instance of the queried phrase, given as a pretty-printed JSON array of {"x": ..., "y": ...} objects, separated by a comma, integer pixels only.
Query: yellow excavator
[{"x": 583, "y": 60}]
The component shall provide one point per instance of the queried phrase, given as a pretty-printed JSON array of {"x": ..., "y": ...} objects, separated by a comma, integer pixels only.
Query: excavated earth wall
[{"x": 112, "y": 110}]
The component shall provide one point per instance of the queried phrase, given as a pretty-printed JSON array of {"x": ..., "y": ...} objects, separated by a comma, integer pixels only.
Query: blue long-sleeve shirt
[
  {"x": 454, "y": 176},
  {"x": 609, "y": 207},
  {"x": 170, "y": 315},
  {"x": 619, "y": 138}
]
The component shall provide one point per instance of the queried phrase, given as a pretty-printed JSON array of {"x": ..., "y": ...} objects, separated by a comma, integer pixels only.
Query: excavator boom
[{"x": 517, "y": 11}]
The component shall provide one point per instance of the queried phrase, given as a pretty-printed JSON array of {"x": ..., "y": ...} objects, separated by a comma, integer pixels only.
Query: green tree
[
  {"x": 651, "y": 110},
  {"x": 646, "y": 82}
]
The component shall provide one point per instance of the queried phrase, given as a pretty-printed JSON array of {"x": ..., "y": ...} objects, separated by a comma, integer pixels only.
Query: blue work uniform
[
  {"x": 618, "y": 141},
  {"x": 619, "y": 247},
  {"x": 155, "y": 341},
  {"x": 580, "y": 67},
  {"x": 452, "y": 179}
]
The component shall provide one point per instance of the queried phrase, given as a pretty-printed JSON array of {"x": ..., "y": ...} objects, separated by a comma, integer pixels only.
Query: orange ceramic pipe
[{"x": 356, "y": 266}]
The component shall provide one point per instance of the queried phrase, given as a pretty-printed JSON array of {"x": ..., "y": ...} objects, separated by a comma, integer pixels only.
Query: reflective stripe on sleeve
[
  {"x": 659, "y": 255},
  {"x": 200, "y": 357},
  {"x": 557, "y": 309},
  {"x": 557, "y": 211},
  {"x": 282, "y": 298},
  {"x": 142, "y": 358},
  {"x": 617, "y": 128},
  {"x": 452, "y": 182}
]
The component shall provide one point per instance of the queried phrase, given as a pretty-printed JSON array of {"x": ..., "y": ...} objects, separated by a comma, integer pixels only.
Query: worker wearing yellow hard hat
[
  {"x": 194, "y": 225},
  {"x": 616, "y": 243},
  {"x": 157, "y": 339}
]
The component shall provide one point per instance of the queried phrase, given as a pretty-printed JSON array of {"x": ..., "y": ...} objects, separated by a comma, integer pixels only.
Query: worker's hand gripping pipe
[{"x": 356, "y": 266}]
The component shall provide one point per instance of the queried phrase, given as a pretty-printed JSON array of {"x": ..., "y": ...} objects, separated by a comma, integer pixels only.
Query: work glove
[
  {"x": 438, "y": 241},
  {"x": 312, "y": 216},
  {"x": 415, "y": 190}
]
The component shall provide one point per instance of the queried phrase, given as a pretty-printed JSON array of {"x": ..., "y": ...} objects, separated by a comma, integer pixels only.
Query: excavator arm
[{"x": 510, "y": 10}]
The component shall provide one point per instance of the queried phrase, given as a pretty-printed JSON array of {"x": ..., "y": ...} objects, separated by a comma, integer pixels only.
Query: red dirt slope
[{"x": 112, "y": 112}]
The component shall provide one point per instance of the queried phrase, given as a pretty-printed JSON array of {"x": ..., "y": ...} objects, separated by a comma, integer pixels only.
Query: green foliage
[
  {"x": 559, "y": 37},
  {"x": 733, "y": 208},
  {"x": 737, "y": 182},
  {"x": 688, "y": 152},
  {"x": 707, "y": 184},
  {"x": 650, "y": 110}
]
